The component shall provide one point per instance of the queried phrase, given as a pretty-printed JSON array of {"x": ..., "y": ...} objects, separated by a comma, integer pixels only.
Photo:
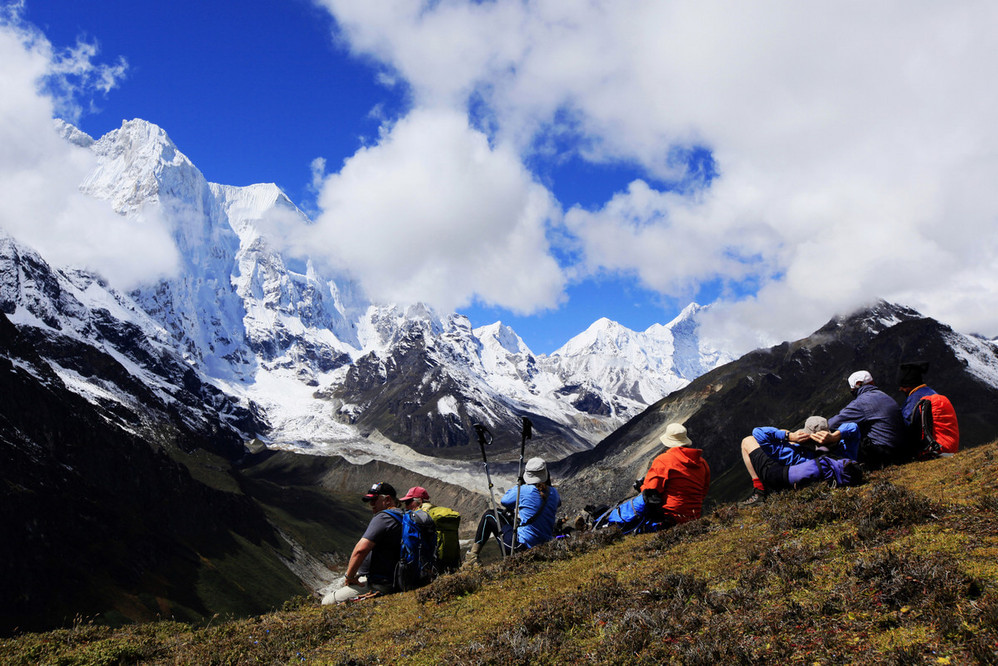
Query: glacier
[{"x": 307, "y": 351}]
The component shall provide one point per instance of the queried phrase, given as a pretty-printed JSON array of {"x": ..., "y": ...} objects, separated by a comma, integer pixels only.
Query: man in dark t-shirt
[{"x": 372, "y": 563}]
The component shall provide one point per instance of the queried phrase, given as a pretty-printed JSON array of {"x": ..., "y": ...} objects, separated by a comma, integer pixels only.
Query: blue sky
[
  {"x": 255, "y": 95},
  {"x": 548, "y": 165}
]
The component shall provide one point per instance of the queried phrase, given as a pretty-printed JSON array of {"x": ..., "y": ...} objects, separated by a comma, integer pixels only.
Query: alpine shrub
[
  {"x": 685, "y": 533},
  {"x": 933, "y": 583},
  {"x": 450, "y": 587},
  {"x": 889, "y": 506}
]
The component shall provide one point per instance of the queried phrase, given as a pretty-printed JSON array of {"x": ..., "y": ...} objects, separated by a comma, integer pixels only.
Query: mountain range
[
  {"x": 323, "y": 369},
  {"x": 161, "y": 447}
]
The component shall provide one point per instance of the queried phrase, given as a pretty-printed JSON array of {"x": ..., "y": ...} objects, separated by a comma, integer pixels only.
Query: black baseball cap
[{"x": 382, "y": 488}]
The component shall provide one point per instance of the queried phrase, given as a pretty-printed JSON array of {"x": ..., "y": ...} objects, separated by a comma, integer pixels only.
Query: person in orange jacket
[{"x": 678, "y": 479}]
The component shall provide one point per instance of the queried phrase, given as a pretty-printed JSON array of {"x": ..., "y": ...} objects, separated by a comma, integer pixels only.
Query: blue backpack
[
  {"x": 418, "y": 555},
  {"x": 629, "y": 516}
]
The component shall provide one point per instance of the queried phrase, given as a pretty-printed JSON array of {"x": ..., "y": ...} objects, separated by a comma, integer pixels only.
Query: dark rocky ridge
[{"x": 782, "y": 386}]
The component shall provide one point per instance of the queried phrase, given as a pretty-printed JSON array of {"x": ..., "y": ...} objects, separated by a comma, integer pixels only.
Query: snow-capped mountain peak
[
  {"x": 502, "y": 335},
  {"x": 328, "y": 367}
]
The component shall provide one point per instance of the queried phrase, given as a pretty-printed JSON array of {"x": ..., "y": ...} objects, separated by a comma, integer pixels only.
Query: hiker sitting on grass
[
  {"x": 372, "y": 563},
  {"x": 933, "y": 430},
  {"x": 447, "y": 523},
  {"x": 777, "y": 459},
  {"x": 539, "y": 502},
  {"x": 677, "y": 481},
  {"x": 881, "y": 427}
]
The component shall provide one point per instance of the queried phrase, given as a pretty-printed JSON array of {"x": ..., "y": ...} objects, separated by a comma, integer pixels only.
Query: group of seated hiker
[
  {"x": 374, "y": 564},
  {"x": 871, "y": 431}
]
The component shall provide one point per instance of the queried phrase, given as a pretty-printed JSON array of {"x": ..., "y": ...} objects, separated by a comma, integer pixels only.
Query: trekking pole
[
  {"x": 485, "y": 437},
  {"x": 525, "y": 434}
]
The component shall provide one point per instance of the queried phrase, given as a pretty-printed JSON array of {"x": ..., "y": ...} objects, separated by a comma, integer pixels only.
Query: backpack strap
[
  {"x": 929, "y": 447},
  {"x": 394, "y": 514}
]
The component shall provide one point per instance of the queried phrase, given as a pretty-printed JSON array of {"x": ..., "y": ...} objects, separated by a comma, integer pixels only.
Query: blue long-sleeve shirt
[
  {"x": 774, "y": 442},
  {"x": 878, "y": 417},
  {"x": 539, "y": 529}
]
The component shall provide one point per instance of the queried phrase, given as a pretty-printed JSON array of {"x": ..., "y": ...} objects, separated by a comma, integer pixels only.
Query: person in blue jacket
[
  {"x": 539, "y": 502},
  {"x": 777, "y": 458},
  {"x": 881, "y": 427}
]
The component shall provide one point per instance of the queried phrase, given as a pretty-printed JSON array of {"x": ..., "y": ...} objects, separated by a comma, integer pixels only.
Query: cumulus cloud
[
  {"x": 435, "y": 213},
  {"x": 855, "y": 143},
  {"x": 40, "y": 171}
]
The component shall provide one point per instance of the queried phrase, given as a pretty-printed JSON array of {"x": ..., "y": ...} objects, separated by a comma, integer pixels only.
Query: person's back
[
  {"x": 685, "y": 479},
  {"x": 538, "y": 512},
  {"x": 385, "y": 531},
  {"x": 372, "y": 564},
  {"x": 877, "y": 414},
  {"x": 679, "y": 477},
  {"x": 933, "y": 429},
  {"x": 446, "y": 522}
]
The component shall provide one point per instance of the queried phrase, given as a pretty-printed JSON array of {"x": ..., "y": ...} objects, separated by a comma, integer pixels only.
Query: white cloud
[
  {"x": 855, "y": 142},
  {"x": 435, "y": 213},
  {"x": 40, "y": 172}
]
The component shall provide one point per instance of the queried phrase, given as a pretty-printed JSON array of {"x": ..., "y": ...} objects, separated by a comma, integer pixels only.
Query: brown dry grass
[{"x": 901, "y": 570}]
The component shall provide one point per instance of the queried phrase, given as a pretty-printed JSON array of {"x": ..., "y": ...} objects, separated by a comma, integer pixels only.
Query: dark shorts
[{"x": 772, "y": 473}]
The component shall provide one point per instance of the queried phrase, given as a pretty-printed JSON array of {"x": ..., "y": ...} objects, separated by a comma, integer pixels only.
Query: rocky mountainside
[
  {"x": 132, "y": 424},
  {"x": 323, "y": 369},
  {"x": 785, "y": 384}
]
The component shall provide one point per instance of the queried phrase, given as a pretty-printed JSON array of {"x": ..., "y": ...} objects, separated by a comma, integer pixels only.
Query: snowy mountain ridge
[{"x": 323, "y": 365}]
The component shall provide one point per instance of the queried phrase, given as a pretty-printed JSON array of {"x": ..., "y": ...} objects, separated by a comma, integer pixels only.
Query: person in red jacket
[{"x": 678, "y": 479}]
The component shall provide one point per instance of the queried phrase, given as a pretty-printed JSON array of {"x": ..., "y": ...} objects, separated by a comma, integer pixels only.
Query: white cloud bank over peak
[
  {"x": 40, "y": 172},
  {"x": 855, "y": 143},
  {"x": 434, "y": 213}
]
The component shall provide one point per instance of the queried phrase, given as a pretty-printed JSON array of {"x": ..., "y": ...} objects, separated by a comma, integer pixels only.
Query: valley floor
[{"x": 901, "y": 570}]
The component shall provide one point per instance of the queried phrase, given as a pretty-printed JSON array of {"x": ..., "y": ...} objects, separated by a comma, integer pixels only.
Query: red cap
[{"x": 416, "y": 492}]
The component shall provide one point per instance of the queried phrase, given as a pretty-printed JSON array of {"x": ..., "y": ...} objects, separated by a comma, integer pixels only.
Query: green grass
[{"x": 902, "y": 570}]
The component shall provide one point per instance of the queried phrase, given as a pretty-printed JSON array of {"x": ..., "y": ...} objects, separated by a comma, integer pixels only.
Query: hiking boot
[
  {"x": 471, "y": 559},
  {"x": 756, "y": 498}
]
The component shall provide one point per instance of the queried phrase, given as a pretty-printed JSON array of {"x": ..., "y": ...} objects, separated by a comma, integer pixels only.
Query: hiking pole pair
[
  {"x": 525, "y": 434},
  {"x": 484, "y": 438}
]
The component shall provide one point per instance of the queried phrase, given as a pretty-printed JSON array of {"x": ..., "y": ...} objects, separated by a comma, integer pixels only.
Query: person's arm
[
  {"x": 360, "y": 551},
  {"x": 849, "y": 439},
  {"x": 827, "y": 438},
  {"x": 509, "y": 497},
  {"x": 853, "y": 412},
  {"x": 798, "y": 436}
]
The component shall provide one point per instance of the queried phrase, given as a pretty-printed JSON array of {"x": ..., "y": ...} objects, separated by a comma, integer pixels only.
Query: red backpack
[{"x": 939, "y": 430}]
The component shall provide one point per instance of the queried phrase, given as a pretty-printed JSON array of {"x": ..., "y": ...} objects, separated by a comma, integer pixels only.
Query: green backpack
[{"x": 447, "y": 522}]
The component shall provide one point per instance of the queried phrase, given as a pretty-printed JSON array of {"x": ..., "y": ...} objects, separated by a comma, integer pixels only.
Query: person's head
[
  {"x": 675, "y": 435},
  {"x": 536, "y": 472},
  {"x": 381, "y": 496},
  {"x": 415, "y": 497},
  {"x": 910, "y": 375},
  {"x": 815, "y": 424},
  {"x": 858, "y": 379}
]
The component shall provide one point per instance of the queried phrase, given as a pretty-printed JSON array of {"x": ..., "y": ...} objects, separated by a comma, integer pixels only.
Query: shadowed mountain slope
[
  {"x": 899, "y": 571},
  {"x": 782, "y": 386}
]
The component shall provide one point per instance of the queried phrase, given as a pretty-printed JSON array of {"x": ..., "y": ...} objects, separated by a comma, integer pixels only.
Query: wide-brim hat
[
  {"x": 536, "y": 471},
  {"x": 675, "y": 435}
]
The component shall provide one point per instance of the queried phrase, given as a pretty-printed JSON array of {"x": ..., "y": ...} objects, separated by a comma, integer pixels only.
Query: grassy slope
[{"x": 901, "y": 570}]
